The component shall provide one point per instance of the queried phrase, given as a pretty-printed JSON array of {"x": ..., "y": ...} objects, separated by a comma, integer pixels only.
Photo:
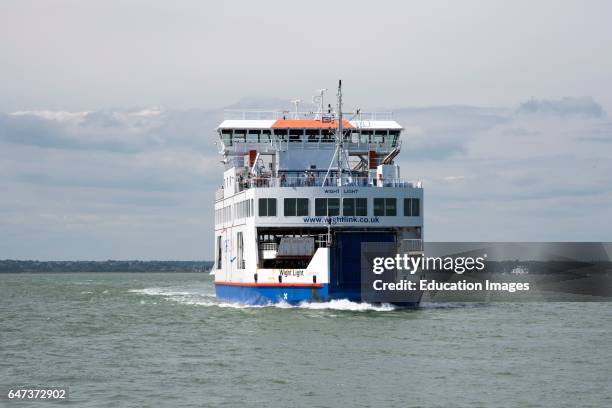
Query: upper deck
[
  {"x": 309, "y": 149},
  {"x": 246, "y": 130}
]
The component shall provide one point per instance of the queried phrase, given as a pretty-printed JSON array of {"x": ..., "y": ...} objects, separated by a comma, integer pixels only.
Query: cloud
[
  {"x": 443, "y": 132},
  {"x": 138, "y": 182},
  {"x": 584, "y": 106},
  {"x": 120, "y": 131}
]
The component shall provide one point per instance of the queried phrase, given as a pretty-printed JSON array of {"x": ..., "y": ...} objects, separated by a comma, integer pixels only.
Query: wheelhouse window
[
  {"x": 314, "y": 135},
  {"x": 265, "y": 136},
  {"x": 366, "y": 136},
  {"x": 294, "y": 207},
  {"x": 295, "y": 135},
  {"x": 327, "y": 207},
  {"x": 394, "y": 136},
  {"x": 412, "y": 207},
  {"x": 253, "y": 135},
  {"x": 226, "y": 136},
  {"x": 327, "y": 136},
  {"x": 379, "y": 136},
  {"x": 281, "y": 134},
  {"x": 240, "y": 135},
  {"x": 385, "y": 207},
  {"x": 267, "y": 207},
  {"x": 355, "y": 206}
]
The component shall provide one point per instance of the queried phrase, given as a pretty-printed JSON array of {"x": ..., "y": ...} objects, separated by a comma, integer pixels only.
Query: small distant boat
[{"x": 519, "y": 270}]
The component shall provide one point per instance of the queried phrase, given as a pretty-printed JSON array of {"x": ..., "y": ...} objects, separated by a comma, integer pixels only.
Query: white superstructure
[{"x": 300, "y": 191}]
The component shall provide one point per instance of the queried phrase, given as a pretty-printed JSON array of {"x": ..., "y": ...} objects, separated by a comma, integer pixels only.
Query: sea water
[{"x": 162, "y": 339}]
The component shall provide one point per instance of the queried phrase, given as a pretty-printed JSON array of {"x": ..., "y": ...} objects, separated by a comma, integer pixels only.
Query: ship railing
[
  {"x": 268, "y": 246},
  {"x": 238, "y": 147},
  {"x": 219, "y": 194},
  {"x": 319, "y": 181},
  {"x": 275, "y": 114},
  {"x": 322, "y": 241}
]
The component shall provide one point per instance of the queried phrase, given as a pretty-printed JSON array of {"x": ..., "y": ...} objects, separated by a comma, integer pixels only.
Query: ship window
[
  {"x": 333, "y": 206},
  {"x": 348, "y": 206},
  {"x": 391, "y": 207},
  {"x": 302, "y": 206},
  {"x": 385, "y": 207},
  {"x": 313, "y": 135},
  {"x": 320, "y": 206},
  {"x": 363, "y": 138},
  {"x": 240, "y": 135},
  {"x": 355, "y": 206},
  {"x": 412, "y": 207},
  {"x": 328, "y": 136},
  {"x": 281, "y": 134},
  {"x": 243, "y": 209},
  {"x": 394, "y": 134},
  {"x": 379, "y": 136},
  {"x": 295, "y": 207},
  {"x": 265, "y": 136},
  {"x": 253, "y": 136},
  {"x": 361, "y": 206},
  {"x": 366, "y": 136},
  {"x": 295, "y": 135},
  {"x": 226, "y": 136},
  {"x": 267, "y": 207},
  {"x": 289, "y": 209},
  {"x": 379, "y": 206},
  {"x": 219, "y": 252},
  {"x": 327, "y": 207},
  {"x": 240, "y": 254}
]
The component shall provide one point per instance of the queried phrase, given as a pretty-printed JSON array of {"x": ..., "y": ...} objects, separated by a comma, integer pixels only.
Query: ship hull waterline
[{"x": 266, "y": 294}]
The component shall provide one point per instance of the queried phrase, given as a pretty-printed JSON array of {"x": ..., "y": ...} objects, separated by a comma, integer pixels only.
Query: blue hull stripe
[{"x": 261, "y": 295}]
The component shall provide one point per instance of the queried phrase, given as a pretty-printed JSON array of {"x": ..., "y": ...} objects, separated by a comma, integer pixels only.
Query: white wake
[{"x": 207, "y": 299}]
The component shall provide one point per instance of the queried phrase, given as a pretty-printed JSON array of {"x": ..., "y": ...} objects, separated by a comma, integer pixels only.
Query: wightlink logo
[{"x": 341, "y": 220}]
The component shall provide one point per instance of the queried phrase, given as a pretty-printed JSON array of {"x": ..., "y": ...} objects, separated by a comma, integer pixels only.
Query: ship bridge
[
  {"x": 277, "y": 148},
  {"x": 276, "y": 131}
]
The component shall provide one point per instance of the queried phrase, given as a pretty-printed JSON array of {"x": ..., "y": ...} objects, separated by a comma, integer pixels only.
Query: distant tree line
[{"x": 17, "y": 266}]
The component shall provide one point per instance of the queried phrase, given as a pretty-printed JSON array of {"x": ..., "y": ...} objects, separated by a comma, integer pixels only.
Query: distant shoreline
[{"x": 30, "y": 266}]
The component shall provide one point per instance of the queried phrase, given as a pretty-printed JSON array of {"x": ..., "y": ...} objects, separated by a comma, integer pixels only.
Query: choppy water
[{"x": 149, "y": 340}]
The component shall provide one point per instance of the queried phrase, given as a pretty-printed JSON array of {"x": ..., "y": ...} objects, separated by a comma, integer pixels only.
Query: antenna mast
[
  {"x": 339, "y": 136},
  {"x": 339, "y": 153}
]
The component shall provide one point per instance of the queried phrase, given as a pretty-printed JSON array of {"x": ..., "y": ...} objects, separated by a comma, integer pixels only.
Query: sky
[{"x": 108, "y": 110}]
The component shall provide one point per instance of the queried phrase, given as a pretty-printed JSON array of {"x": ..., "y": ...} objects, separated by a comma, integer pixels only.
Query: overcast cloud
[{"x": 108, "y": 110}]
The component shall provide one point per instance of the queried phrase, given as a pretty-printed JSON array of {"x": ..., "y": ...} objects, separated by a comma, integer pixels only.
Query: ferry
[{"x": 301, "y": 192}]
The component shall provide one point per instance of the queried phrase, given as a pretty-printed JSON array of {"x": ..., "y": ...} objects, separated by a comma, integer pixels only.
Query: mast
[{"x": 339, "y": 136}]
